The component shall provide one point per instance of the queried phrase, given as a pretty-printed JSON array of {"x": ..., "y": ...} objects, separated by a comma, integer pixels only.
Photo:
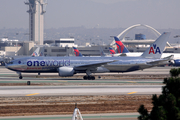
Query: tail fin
[
  {"x": 111, "y": 50},
  {"x": 35, "y": 53},
  {"x": 156, "y": 49},
  {"x": 42, "y": 52},
  {"x": 101, "y": 51},
  {"x": 120, "y": 46},
  {"x": 76, "y": 52}
]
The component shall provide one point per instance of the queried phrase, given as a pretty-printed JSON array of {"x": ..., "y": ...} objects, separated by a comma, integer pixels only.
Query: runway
[
  {"x": 78, "y": 86},
  {"x": 79, "y": 90},
  {"x": 132, "y": 84}
]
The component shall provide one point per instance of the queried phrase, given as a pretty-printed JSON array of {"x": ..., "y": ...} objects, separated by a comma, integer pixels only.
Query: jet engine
[{"x": 66, "y": 71}]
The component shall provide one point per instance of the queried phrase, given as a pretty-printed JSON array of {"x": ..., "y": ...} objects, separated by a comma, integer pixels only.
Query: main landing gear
[{"x": 89, "y": 77}]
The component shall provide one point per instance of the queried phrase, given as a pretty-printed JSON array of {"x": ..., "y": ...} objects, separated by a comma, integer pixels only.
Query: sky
[{"x": 159, "y": 14}]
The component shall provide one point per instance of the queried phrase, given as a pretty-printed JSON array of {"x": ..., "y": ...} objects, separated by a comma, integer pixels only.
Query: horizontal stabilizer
[{"x": 158, "y": 62}]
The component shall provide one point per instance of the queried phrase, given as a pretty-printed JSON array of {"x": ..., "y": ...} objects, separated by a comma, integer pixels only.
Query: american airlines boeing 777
[{"x": 70, "y": 65}]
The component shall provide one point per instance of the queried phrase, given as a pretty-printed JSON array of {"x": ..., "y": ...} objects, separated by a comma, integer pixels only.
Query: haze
[{"x": 160, "y": 14}]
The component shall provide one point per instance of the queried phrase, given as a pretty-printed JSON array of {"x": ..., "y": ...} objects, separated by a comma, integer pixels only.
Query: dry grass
[{"x": 55, "y": 105}]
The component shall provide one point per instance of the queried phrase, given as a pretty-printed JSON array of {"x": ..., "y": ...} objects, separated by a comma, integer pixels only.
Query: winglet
[
  {"x": 76, "y": 52},
  {"x": 120, "y": 46},
  {"x": 156, "y": 49}
]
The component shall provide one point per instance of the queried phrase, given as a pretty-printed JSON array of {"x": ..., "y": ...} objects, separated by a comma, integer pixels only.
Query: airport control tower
[{"x": 36, "y": 20}]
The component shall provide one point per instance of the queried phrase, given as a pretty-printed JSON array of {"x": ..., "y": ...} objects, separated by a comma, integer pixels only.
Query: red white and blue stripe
[
  {"x": 111, "y": 50},
  {"x": 120, "y": 46},
  {"x": 76, "y": 52}
]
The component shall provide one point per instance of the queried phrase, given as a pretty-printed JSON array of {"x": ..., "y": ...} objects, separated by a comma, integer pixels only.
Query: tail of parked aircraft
[
  {"x": 35, "y": 53},
  {"x": 120, "y": 46},
  {"x": 102, "y": 52},
  {"x": 76, "y": 52},
  {"x": 111, "y": 50},
  {"x": 156, "y": 49},
  {"x": 42, "y": 52}
]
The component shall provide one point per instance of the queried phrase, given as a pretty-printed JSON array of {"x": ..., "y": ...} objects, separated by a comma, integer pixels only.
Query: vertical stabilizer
[
  {"x": 76, "y": 52},
  {"x": 120, "y": 46},
  {"x": 36, "y": 52},
  {"x": 111, "y": 50},
  {"x": 156, "y": 49},
  {"x": 102, "y": 52},
  {"x": 42, "y": 52}
]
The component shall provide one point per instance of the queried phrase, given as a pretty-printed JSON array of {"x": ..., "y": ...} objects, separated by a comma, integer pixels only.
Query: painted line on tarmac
[
  {"x": 132, "y": 92},
  {"x": 32, "y": 94}
]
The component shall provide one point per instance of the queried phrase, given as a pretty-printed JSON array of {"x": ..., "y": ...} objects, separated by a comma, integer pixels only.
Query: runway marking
[
  {"x": 32, "y": 94},
  {"x": 132, "y": 92},
  {"x": 132, "y": 81}
]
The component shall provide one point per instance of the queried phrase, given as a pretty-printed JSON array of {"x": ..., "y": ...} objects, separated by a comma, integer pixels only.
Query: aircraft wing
[
  {"x": 92, "y": 65},
  {"x": 157, "y": 62}
]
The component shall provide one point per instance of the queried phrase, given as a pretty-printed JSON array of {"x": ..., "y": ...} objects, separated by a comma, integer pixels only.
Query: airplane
[
  {"x": 36, "y": 52},
  {"x": 102, "y": 52},
  {"x": 111, "y": 51},
  {"x": 126, "y": 52},
  {"x": 70, "y": 65},
  {"x": 76, "y": 52},
  {"x": 120, "y": 47},
  {"x": 42, "y": 52}
]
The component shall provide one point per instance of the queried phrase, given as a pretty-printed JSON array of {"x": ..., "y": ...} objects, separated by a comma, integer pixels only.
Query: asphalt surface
[
  {"x": 79, "y": 90},
  {"x": 119, "y": 87}
]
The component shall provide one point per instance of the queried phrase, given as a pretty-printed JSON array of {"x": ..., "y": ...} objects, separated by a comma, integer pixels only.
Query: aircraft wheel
[
  {"x": 85, "y": 77},
  {"x": 28, "y": 82},
  {"x": 20, "y": 77},
  {"x": 89, "y": 77},
  {"x": 93, "y": 78}
]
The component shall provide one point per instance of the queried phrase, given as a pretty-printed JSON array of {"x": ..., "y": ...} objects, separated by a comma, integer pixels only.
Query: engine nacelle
[
  {"x": 66, "y": 71},
  {"x": 177, "y": 62}
]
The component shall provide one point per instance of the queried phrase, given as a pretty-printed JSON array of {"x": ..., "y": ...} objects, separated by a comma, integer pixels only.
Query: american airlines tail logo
[
  {"x": 34, "y": 54},
  {"x": 154, "y": 49}
]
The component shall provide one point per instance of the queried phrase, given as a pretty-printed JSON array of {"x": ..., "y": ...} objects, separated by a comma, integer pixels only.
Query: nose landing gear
[{"x": 20, "y": 77}]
